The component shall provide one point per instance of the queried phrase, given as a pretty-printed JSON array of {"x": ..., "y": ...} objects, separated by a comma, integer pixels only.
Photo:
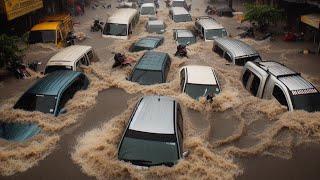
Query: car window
[
  {"x": 70, "y": 91},
  {"x": 279, "y": 95},
  {"x": 245, "y": 77},
  {"x": 167, "y": 68},
  {"x": 84, "y": 61},
  {"x": 180, "y": 127},
  {"x": 182, "y": 79},
  {"x": 255, "y": 85},
  {"x": 90, "y": 55},
  {"x": 227, "y": 57}
]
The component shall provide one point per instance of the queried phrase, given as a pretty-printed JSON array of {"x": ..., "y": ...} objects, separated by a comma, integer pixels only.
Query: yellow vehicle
[{"x": 53, "y": 29}]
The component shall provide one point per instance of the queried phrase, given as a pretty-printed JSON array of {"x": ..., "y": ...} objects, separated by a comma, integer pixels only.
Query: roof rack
[{"x": 277, "y": 69}]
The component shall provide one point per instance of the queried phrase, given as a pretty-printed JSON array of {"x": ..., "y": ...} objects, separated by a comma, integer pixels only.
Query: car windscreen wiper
[
  {"x": 170, "y": 164},
  {"x": 137, "y": 161}
]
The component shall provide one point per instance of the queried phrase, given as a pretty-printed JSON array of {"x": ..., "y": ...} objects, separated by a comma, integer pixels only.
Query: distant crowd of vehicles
[{"x": 154, "y": 134}]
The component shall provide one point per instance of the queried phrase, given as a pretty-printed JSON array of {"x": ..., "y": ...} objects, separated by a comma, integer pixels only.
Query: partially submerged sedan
[
  {"x": 51, "y": 93},
  {"x": 184, "y": 37},
  {"x": 154, "y": 135},
  {"x": 199, "y": 81},
  {"x": 147, "y": 43},
  {"x": 152, "y": 68}
]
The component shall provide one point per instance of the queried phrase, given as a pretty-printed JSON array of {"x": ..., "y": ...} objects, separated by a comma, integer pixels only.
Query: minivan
[
  {"x": 199, "y": 81},
  {"x": 154, "y": 134},
  {"x": 179, "y": 14},
  {"x": 235, "y": 51},
  {"x": 121, "y": 23},
  {"x": 51, "y": 93},
  {"x": 209, "y": 29},
  {"x": 148, "y": 9},
  {"x": 152, "y": 68},
  {"x": 71, "y": 58}
]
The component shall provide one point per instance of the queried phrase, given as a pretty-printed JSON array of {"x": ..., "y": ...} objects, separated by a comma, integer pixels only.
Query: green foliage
[
  {"x": 262, "y": 14},
  {"x": 9, "y": 49}
]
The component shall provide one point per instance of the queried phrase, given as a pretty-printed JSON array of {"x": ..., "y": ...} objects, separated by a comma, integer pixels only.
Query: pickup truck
[
  {"x": 53, "y": 29},
  {"x": 269, "y": 79}
]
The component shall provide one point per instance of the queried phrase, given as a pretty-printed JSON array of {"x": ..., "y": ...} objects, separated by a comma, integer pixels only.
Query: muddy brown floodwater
[{"x": 58, "y": 165}]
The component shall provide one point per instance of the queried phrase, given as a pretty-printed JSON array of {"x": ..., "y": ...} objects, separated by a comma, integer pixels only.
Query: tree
[
  {"x": 9, "y": 50},
  {"x": 263, "y": 15}
]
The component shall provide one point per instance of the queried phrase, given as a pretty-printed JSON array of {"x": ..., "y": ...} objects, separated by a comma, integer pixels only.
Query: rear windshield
[
  {"x": 147, "y": 11},
  {"x": 156, "y": 28},
  {"x": 33, "y": 102},
  {"x": 147, "y": 77},
  {"x": 242, "y": 61},
  {"x": 115, "y": 29},
  {"x": 186, "y": 40},
  {"x": 148, "y": 149},
  {"x": 179, "y": 4},
  {"x": 42, "y": 37},
  {"x": 182, "y": 18},
  {"x": 211, "y": 34},
  {"x": 50, "y": 69},
  {"x": 198, "y": 90},
  {"x": 307, "y": 102}
]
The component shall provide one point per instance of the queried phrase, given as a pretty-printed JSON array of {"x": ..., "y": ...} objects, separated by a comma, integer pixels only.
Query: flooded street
[{"x": 237, "y": 136}]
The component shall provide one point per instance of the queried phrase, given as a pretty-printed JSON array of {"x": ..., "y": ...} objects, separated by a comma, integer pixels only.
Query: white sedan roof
[{"x": 200, "y": 75}]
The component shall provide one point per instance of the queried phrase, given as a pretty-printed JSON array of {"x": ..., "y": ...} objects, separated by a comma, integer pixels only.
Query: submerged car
[
  {"x": 152, "y": 68},
  {"x": 51, "y": 93},
  {"x": 184, "y": 37},
  {"x": 148, "y": 9},
  {"x": 179, "y": 14},
  {"x": 16, "y": 131},
  {"x": 155, "y": 26},
  {"x": 199, "y": 81},
  {"x": 147, "y": 43},
  {"x": 154, "y": 135},
  {"x": 209, "y": 29}
]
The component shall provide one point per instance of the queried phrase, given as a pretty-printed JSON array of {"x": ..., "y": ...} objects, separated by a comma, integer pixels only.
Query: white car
[
  {"x": 198, "y": 81},
  {"x": 148, "y": 9}
]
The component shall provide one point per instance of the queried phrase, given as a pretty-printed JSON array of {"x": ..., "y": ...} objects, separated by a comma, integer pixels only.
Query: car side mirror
[
  {"x": 186, "y": 154},
  {"x": 63, "y": 111}
]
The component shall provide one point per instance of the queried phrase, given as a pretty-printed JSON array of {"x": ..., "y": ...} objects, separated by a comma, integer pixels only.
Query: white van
[
  {"x": 179, "y": 14},
  {"x": 70, "y": 58},
  {"x": 121, "y": 23},
  {"x": 148, "y": 9},
  {"x": 209, "y": 29}
]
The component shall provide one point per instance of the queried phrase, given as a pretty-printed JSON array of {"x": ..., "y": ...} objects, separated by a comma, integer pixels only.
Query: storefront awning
[{"x": 312, "y": 20}]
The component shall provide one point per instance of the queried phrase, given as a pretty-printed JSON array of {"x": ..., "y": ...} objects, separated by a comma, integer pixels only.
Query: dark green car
[
  {"x": 152, "y": 68},
  {"x": 147, "y": 43}
]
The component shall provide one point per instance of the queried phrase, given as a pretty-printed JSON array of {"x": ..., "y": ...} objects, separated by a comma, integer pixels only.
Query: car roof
[
  {"x": 291, "y": 79},
  {"x": 236, "y": 47},
  {"x": 178, "y": 0},
  {"x": 155, "y": 22},
  {"x": 147, "y": 5},
  {"x": 145, "y": 41},
  {"x": 54, "y": 82},
  {"x": 179, "y": 10},
  {"x": 184, "y": 33},
  {"x": 68, "y": 55},
  {"x": 155, "y": 114},
  {"x": 45, "y": 26},
  {"x": 122, "y": 16},
  {"x": 152, "y": 60},
  {"x": 209, "y": 23},
  {"x": 200, "y": 75}
]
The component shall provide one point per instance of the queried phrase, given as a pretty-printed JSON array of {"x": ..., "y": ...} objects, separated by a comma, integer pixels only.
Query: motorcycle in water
[
  {"x": 97, "y": 26},
  {"x": 121, "y": 60},
  {"x": 70, "y": 39},
  {"x": 167, "y": 3},
  {"x": 181, "y": 51},
  {"x": 19, "y": 70}
]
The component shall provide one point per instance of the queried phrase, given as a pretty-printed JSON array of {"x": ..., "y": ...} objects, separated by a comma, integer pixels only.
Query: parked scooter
[
  {"x": 97, "y": 26},
  {"x": 121, "y": 60},
  {"x": 181, "y": 51},
  {"x": 19, "y": 70}
]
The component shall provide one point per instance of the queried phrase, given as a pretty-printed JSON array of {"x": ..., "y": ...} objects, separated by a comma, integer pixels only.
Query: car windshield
[
  {"x": 33, "y": 102},
  {"x": 307, "y": 102},
  {"x": 147, "y": 77},
  {"x": 186, "y": 40},
  {"x": 179, "y": 4},
  {"x": 156, "y": 28},
  {"x": 115, "y": 29},
  {"x": 145, "y": 151},
  {"x": 147, "y": 11},
  {"x": 50, "y": 69},
  {"x": 182, "y": 18},
  {"x": 198, "y": 90},
  {"x": 42, "y": 37},
  {"x": 214, "y": 33}
]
